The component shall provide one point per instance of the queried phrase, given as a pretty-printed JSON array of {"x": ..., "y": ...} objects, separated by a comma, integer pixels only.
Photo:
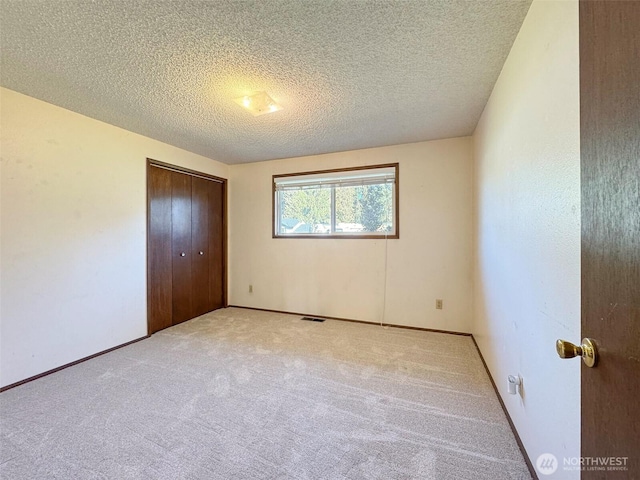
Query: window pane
[
  {"x": 341, "y": 203},
  {"x": 305, "y": 211},
  {"x": 364, "y": 209}
]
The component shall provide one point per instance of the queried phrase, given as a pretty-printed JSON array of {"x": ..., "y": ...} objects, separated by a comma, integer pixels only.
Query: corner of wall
[{"x": 526, "y": 229}]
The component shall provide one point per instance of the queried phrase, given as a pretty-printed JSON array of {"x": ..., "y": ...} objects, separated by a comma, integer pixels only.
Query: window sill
[{"x": 395, "y": 236}]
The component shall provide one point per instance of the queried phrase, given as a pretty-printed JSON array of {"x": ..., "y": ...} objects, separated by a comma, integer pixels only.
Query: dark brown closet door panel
[
  {"x": 201, "y": 274},
  {"x": 159, "y": 249},
  {"x": 216, "y": 245},
  {"x": 181, "y": 246}
]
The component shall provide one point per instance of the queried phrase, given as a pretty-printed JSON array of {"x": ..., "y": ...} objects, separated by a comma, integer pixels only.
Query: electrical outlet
[
  {"x": 439, "y": 304},
  {"x": 250, "y": 288}
]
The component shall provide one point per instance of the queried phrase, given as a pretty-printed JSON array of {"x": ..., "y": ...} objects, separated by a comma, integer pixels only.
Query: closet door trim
[
  {"x": 167, "y": 166},
  {"x": 193, "y": 173}
]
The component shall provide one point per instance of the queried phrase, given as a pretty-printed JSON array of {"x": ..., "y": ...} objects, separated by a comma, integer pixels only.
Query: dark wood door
[
  {"x": 217, "y": 253},
  {"x": 159, "y": 254},
  {"x": 200, "y": 227},
  {"x": 186, "y": 245},
  {"x": 610, "y": 176},
  {"x": 181, "y": 247}
]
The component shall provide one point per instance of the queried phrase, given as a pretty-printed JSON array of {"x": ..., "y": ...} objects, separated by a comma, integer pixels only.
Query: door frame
[{"x": 225, "y": 240}]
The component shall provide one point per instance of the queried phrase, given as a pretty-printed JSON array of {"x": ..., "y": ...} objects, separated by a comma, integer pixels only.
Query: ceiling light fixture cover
[{"x": 258, "y": 104}]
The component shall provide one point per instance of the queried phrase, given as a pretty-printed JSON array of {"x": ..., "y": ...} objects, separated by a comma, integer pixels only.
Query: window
[{"x": 357, "y": 202}]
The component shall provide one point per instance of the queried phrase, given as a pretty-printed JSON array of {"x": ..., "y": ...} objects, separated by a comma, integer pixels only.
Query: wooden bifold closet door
[{"x": 186, "y": 259}]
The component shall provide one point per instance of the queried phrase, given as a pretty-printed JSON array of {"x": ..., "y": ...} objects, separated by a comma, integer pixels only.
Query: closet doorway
[{"x": 186, "y": 244}]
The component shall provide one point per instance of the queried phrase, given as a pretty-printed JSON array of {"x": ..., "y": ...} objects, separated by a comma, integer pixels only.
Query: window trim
[{"x": 396, "y": 206}]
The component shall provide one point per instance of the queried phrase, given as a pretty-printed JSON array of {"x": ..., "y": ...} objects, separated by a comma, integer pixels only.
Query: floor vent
[{"x": 313, "y": 319}]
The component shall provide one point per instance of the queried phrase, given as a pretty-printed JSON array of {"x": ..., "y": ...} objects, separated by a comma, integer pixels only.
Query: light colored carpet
[{"x": 240, "y": 394}]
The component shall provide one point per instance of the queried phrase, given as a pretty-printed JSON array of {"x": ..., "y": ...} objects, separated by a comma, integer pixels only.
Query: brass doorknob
[{"x": 588, "y": 351}]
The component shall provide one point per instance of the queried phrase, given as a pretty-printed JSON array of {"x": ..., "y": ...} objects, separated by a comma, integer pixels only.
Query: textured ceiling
[{"x": 350, "y": 74}]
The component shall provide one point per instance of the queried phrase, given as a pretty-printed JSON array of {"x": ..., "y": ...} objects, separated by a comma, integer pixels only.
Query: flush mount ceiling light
[{"x": 258, "y": 104}]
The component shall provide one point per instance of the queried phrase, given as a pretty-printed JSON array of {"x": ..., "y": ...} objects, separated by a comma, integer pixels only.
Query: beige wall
[
  {"x": 73, "y": 234},
  {"x": 346, "y": 278},
  {"x": 527, "y": 229}
]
